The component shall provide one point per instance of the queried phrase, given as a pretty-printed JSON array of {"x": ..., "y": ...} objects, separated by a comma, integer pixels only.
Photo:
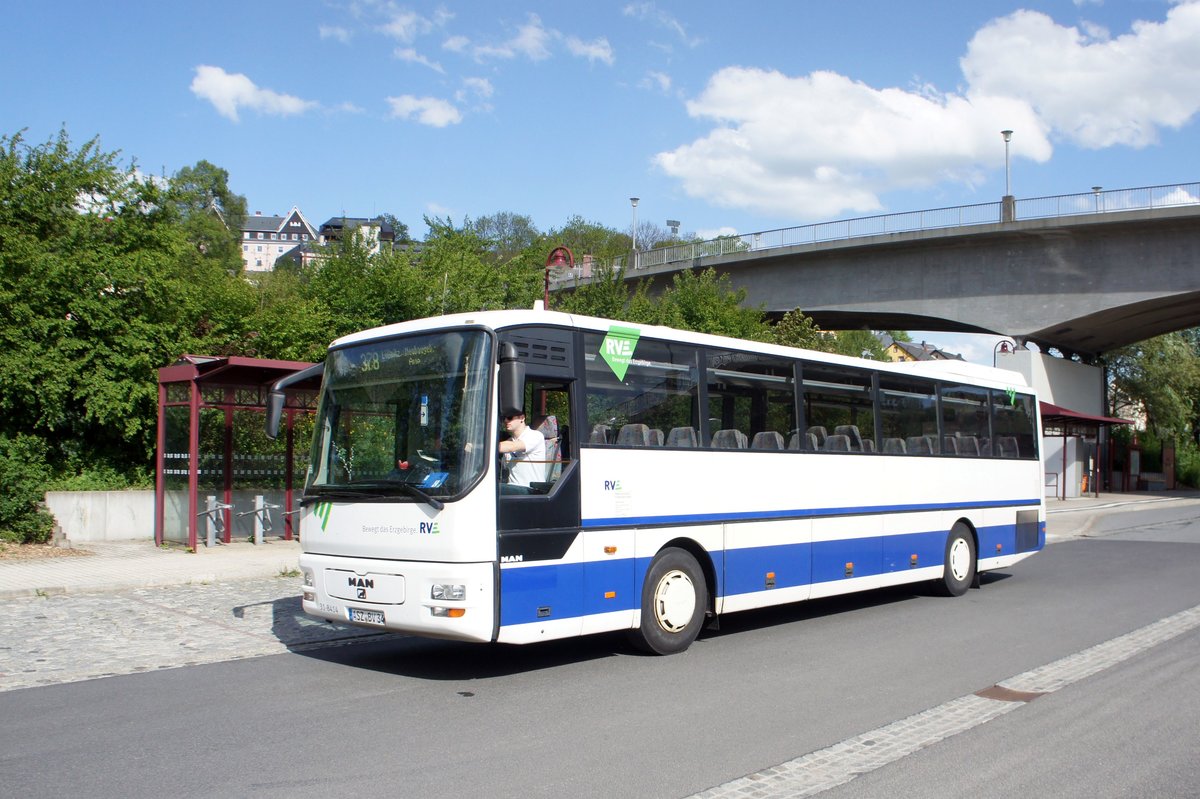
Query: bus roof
[{"x": 501, "y": 320}]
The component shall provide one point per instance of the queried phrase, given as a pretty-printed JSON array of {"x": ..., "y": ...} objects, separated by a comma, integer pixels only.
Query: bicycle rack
[
  {"x": 262, "y": 517},
  {"x": 215, "y": 515}
]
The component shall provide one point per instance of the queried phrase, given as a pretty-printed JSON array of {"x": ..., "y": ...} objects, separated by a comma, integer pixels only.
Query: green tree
[
  {"x": 103, "y": 279},
  {"x": 708, "y": 303},
  {"x": 797, "y": 330},
  {"x": 505, "y": 235},
  {"x": 1160, "y": 376}
]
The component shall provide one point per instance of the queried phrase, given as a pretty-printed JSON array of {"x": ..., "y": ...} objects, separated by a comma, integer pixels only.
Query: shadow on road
[{"x": 431, "y": 659}]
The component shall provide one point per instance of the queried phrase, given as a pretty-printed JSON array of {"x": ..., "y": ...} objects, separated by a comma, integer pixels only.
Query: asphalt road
[{"x": 588, "y": 718}]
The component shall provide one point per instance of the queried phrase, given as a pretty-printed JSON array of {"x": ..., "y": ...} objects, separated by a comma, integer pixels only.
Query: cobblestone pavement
[{"x": 69, "y": 637}]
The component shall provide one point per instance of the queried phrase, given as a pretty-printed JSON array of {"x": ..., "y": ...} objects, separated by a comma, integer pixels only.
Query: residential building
[
  {"x": 267, "y": 238},
  {"x": 897, "y": 351},
  {"x": 378, "y": 233}
]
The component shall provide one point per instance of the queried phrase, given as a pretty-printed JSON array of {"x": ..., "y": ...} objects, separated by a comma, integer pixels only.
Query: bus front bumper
[{"x": 437, "y": 600}]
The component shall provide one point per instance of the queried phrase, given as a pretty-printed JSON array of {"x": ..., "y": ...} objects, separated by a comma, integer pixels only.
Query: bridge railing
[{"x": 1092, "y": 202}]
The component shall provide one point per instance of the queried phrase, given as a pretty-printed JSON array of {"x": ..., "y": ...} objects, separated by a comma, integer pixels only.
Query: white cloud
[
  {"x": 598, "y": 50},
  {"x": 531, "y": 41},
  {"x": 478, "y": 90},
  {"x": 656, "y": 80},
  {"x": 716, "y": 233},
  {"x": 456, "y": 44},
  {"x": 822, "y": 145},
  {"x": 413, "y": 57},
  {"x": 426, "y": 110},
  {"x": 334, "y": 32},
  {"x": 229, "y": 92},
  {"x": 1093, "y": 90},
  {"x": 406, "y": 26},
  {"x": 649, "y": 12}
]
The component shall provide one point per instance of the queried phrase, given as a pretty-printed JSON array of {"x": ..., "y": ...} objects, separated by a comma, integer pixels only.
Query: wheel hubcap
[
  {"x": 674, "y": 601},
  {"x": 960, "y": 559}
]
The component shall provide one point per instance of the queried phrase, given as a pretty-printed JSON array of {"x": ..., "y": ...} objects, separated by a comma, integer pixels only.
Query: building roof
[
  {"x": 920, "y": 352},
  {"x": 341, "y": 222}
]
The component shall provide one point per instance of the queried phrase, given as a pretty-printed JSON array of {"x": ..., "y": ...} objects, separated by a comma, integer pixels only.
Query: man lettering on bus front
[{"x": 526, "y": 452}]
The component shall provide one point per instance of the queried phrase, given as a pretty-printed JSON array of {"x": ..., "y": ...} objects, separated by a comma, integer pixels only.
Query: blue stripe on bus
[
  {"x": 798, "y": 513},
  {"x": 573, "y": 590}
]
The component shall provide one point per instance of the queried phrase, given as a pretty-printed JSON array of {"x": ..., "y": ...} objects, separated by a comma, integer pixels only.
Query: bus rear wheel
[
  {"x": 674, "y": 600},
  {"x": 959, "y": 571}
]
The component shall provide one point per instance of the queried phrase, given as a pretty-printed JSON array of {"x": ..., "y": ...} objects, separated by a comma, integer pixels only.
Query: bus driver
[{"x": 526, "y": 452}]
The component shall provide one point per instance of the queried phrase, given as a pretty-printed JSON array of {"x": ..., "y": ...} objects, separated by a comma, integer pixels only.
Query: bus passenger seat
[
  {"x": 894, "y": 446},
  {"x": 1006, "y": 447},
  {"x": 729, "y": 438},
  {"x": 767, "y": 439},
  {"x": 819, "y": 432},
  {"x": 850, "y": 431},
  {"x": 837, "y": 443},
  {"x": 656, "y": 437},
  {"x": 918, "y": 445},
  {"x": 601, "y": 434},
  {"x": 969, "y": 446},
  {"x": 949, "y": 445},
  {"x": 682, "y": 437},
  {"x": 633, "y": 435}
]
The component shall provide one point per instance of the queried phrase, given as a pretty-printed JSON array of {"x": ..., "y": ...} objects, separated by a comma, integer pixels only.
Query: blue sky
[{"x": 729, "y": 118}]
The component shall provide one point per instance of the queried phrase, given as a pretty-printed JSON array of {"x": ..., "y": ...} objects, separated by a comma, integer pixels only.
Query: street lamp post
[
  {"x": 634, "y": 201},
  {"x": 1096, "y": 193}
]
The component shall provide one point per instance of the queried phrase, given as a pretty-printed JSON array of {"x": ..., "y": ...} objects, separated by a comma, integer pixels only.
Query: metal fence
[{"x": 1097, "y": 201}]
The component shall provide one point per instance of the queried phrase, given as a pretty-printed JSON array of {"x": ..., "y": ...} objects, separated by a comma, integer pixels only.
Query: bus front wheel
[
  {"x": 674, "y": 598},
  {"x": 959, "y": 571}
]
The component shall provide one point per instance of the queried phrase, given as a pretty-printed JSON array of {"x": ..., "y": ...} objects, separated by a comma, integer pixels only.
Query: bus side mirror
[
  {"x": 275, "y": 402},
  {"x": 512, "y": 381},
  {"x": 276, "y": 397}
]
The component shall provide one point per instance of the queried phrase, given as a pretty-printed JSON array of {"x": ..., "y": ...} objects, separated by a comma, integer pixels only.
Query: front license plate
[{"x": 366, "y": 616}]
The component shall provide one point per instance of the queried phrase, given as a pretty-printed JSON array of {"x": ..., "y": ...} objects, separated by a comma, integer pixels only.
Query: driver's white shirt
[{"x": 523, "y": 472}]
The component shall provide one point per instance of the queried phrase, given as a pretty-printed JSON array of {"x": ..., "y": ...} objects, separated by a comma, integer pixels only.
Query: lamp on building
[
  {"x": 559, "y": 257},
  {"x": 1002, "y": 346}
]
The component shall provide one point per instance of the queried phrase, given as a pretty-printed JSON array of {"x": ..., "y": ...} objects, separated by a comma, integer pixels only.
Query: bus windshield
[{"x": 403, "y": 418}]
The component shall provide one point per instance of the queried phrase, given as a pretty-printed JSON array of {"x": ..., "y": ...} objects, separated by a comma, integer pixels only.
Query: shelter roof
[
  {"x": 1057, "y": 413},
  {"x": 233, "y": 370}
]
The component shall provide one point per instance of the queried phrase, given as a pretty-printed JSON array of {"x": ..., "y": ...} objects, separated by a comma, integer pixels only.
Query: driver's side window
[{"x": 547, "y": 410}]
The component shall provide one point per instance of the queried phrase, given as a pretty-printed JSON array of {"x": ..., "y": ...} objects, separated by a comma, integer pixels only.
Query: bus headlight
[{"x": 446, "y": 591}]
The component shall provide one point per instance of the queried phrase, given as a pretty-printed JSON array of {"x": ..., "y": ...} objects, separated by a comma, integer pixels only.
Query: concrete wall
[
  {"x": 1067, "y": 384},
  {"x": 103, "y": 515}
]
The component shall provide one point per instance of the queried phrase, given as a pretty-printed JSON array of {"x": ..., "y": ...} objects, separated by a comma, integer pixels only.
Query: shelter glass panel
[{"x": 177, "y": 435}]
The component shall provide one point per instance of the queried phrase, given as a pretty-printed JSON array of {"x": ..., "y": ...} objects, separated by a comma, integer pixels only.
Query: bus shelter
[
  {"x": 218, "y": 477},
  {"x": 1071, "y": 441}
]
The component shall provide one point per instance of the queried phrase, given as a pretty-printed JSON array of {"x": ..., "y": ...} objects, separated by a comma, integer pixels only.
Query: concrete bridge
[{"x": 1082, "y": 273}]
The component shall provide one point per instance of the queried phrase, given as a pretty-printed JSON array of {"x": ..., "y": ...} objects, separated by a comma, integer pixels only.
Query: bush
[
  {"x": 1187, "y": 466},
  {"x": 24, "y": 474}
]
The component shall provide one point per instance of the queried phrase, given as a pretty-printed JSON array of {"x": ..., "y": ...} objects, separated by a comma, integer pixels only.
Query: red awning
[{"x": 1056, "y": 413}]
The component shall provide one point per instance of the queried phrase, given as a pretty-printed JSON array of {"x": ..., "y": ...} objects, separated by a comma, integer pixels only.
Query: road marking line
[{"x": 840, "y": 763}]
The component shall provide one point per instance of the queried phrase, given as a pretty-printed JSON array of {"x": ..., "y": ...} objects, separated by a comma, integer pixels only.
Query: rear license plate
[{"x": 366, "y": 616}]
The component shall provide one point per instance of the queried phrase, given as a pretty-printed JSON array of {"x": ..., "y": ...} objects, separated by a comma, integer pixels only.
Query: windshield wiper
[
  {"x": 319, "y": 494},
  {"x": 323, "y": 494},
  {"x": 433, "y": 502}
]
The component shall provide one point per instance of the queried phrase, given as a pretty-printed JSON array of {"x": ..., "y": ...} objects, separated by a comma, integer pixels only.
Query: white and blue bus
[{"x": 686, "y": 476}]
